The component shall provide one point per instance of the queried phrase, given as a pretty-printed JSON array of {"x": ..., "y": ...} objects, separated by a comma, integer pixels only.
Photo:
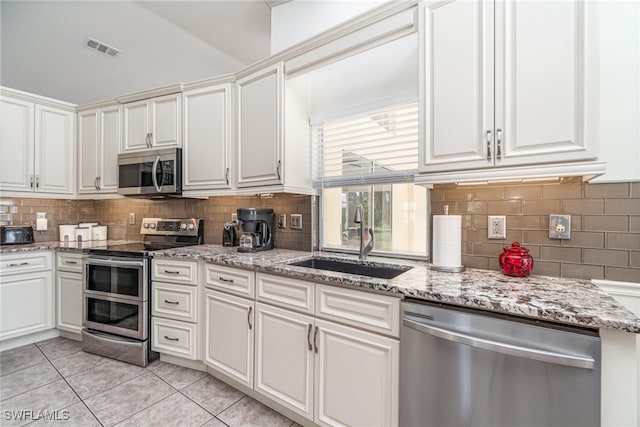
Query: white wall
[
  {"x": 296, "y": 21},
  {"x": 383, "y": 75},
  {"x": 620, "y": 89}
]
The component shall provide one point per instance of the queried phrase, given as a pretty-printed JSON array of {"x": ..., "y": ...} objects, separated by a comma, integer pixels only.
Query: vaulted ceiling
[{"x": 43, "y": 44}]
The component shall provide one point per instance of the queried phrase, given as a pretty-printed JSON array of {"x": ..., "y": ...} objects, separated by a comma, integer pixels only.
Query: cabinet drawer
[
  {"x": 377, "y": 313},
  {"x": 233, "y": 280},
  {"x": 285, "y": 292},
  {"x": 173, "y": 337},
  {"x": 25, "y": 262},
  {"x": 69, "y": 261},
  {"x": 175, "y": 301},
  {"x": 165, "y": 270}
]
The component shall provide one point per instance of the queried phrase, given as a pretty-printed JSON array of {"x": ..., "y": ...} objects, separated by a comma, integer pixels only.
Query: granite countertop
[
  {"x": 568, "y": 301},
  {"x": 60, "y": 246}
]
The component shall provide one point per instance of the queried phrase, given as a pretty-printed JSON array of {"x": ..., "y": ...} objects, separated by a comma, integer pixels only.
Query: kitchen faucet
[{"x": 364, "y": 251}]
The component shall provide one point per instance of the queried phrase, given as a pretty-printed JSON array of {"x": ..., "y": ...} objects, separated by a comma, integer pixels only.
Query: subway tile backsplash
[
  {"x": 605, "y": 222},
  {"x": 605, "y": 225},
  {"x": 115, "y": 213}
]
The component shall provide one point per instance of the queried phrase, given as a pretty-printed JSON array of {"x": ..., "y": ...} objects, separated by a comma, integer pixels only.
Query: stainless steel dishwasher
[{"x": 461, "y": 367}]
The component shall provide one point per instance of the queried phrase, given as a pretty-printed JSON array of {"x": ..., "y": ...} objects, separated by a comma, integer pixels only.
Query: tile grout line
[
  {"x": 196, "y": 403},
  {"x": 70, "y": 386}
]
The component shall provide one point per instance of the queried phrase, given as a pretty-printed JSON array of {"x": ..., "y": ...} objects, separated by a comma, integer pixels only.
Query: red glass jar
[{"x": 516, "y": 261}]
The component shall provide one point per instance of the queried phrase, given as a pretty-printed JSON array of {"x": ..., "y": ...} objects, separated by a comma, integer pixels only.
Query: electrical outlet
[
  {"x": 296, "y": 221},
  {"x": 560, "y": 227},
  {"x": 282, "y": 221},
  {"x": 132, "y": 218},
  {"x": 234, "y": 218},
  {"x": 497, "y": 225}
]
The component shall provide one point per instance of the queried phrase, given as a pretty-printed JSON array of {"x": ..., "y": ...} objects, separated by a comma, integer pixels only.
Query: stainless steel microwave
[{"x": 151, "y": 173}]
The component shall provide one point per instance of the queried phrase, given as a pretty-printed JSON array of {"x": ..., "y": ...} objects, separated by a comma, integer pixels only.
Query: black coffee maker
[{"x": 257, "y": 228}]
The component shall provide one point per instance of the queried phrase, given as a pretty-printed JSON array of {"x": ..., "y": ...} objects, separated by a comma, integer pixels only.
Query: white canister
[
  {"x": 83, "y": 234},
  {"x": 68, "y": 233},
  {"x": 99, "y": 232}
]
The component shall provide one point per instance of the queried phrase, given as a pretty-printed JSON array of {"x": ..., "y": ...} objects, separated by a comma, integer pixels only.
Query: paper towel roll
[{"x": 447, "y": 241}]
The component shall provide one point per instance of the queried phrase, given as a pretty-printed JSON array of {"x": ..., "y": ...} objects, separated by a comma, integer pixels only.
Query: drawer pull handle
[
  {"x": 222, "y": 279},
  {"x": 309, "y": 337},
  {"x": 18, "y": 264},
  {"x": 171, "y": 302},
  {"x": 71, "y": 262},
  {"x": 171, "y": 272},
  {"x": 171, "y": 339},
  {"x": 249, "y": 318}
]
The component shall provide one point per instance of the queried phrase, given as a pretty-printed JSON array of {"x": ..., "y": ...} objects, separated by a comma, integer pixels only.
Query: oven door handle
[
  {"x": 111, "y": 262},
  {"x": 153, "y": 174}
]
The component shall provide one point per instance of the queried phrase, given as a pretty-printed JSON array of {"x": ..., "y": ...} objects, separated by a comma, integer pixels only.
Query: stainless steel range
[{"x": 117, "y": 290}]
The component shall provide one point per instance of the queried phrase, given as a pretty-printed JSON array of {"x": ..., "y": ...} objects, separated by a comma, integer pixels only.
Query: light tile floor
[{"x": 56, "y": 379}]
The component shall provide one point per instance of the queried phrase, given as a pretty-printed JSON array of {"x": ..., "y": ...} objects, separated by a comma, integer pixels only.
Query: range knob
[
  {"x": 183, "y": 226},
  {"x": 146, "y": 225},
  {"x": 153, "y": 226},
  {"x": 192, "y": 227}
]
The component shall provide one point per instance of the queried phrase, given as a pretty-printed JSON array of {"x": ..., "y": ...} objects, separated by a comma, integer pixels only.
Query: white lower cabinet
[
  {"x": 229, "y": 332},
  {"x": 69, "y": 301},
  {"x": 174, "y": 307},
  {"x": 285, "y": 358},
  {"x": 356, "y": 377},
  {"x": 26, "y": 294},
  {"x": 68, "y": 291},
  {"x": 329, "y": 373}
]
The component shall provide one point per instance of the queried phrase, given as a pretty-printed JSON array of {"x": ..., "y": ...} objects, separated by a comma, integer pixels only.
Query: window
[{"x": 371, "y": 159}]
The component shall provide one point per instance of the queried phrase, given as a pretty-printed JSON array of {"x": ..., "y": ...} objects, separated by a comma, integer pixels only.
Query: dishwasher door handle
[{"x": 504, "y": 348}]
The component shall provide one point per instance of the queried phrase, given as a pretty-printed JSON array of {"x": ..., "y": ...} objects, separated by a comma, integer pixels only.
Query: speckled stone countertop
[
  {"x": 568, "y": 301},
  {"x": 60, "y": 246}
]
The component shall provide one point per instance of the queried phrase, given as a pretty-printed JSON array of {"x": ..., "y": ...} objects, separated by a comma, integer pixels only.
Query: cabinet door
[
  {"x": 88, "y": 137},
  {"x": 55, "y": 150},
  {"x": 259, "y": 127},
  {"x": 108, "y": 148},
  {"x": 165, "y": 120},
  {"x": 457, "y": 39},
  {"x": 356, "y": 377},
  {"x": 69, "y": 301},
  {"x": 284, "y": 358},
  {"x": 545, "y": 69},
  {"x": 207, "y": 138},
  {"x": 16, "y": 144},
  {"x": 229, "y": 324},
  {"x": 135, "y": 126},
  {"x": 26, "y": 304}
]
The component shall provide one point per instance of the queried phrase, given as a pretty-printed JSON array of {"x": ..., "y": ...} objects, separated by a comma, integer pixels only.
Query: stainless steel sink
[{"x": 381, "y": 271}]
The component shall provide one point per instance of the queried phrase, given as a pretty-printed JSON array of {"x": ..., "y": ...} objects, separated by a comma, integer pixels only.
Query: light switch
[{"x": 296, "y": 221}]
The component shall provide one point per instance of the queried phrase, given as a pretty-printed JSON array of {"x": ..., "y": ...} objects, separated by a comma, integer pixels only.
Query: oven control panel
[{"x": 171, "y": 227}]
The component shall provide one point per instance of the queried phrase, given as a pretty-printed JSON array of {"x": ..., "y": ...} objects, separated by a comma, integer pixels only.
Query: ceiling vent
[{"x": 102, "y": 48}]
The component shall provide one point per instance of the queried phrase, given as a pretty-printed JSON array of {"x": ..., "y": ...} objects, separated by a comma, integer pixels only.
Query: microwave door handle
[{"x": 153, "y": 174}]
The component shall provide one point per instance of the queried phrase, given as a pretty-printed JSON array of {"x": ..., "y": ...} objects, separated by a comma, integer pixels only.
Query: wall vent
[{"x": 102, "y": 48}]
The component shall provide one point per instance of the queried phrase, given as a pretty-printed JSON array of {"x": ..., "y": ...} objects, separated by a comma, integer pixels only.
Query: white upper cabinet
[
  {"x": 16, "y": 144},
  {"x": 207, "y": 138},
  {"x": 37, "y": 147},
  {"x": 99, "y": 140},
  {"x": 259, "y": 127},
  {"x": 508, "y": 84},
  {"x": 152, "y": 123}
]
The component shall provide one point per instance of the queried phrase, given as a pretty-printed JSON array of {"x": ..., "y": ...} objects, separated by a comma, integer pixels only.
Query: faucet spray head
[{"x": 357, "y": 218}]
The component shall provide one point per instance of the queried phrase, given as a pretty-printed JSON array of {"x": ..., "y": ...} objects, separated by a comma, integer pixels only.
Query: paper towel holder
[{"x": 446, "y": 268}]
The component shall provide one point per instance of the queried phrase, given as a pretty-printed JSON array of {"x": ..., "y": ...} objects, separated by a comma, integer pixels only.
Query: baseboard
[{"x": 28, "y": 339}]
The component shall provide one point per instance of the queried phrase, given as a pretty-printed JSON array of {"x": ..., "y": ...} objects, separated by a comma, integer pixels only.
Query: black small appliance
[
  {"x": 16, "y": 235},
  {"x": 258, "y": 224},
  {"x": 229, "y": 237}
]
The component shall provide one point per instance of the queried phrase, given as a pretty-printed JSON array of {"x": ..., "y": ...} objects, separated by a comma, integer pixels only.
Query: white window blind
[{"x": 377, "y": 147}]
